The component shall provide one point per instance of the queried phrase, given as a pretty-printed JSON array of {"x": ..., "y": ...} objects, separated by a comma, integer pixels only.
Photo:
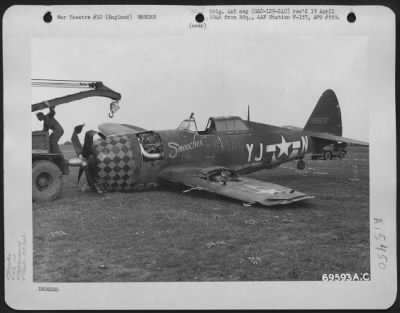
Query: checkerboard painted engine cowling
[{"x": 114, "y": 163}]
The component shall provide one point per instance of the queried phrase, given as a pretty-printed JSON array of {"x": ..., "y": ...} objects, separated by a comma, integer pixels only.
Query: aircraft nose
[{"x": 113, "y": 163}]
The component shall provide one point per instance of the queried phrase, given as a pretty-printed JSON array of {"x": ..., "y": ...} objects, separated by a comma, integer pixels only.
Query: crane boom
[{"x": 98, "y": 90}]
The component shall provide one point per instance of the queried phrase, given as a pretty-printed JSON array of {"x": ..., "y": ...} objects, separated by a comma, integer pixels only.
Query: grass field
[{"x": 165, "y": 235}]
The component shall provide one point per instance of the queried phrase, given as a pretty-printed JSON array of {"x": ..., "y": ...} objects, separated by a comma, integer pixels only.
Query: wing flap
[{"x": 228, "y": 183}]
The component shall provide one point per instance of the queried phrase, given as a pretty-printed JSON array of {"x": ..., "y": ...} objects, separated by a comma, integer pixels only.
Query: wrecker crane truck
[{"x": 48, "y": 167}]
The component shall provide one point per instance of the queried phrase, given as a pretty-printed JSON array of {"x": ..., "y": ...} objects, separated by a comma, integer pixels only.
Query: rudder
[{"x": 326, "y": 116}]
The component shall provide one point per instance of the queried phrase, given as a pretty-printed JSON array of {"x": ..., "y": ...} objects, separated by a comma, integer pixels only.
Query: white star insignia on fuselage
[{"x": 283, "y": 147}]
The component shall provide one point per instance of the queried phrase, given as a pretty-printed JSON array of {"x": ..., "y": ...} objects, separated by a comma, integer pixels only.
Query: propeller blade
[
  {"x": 75, "y": 140},
  {"x": 81, "y": 170},
  {"x": 78, "y": 128}
]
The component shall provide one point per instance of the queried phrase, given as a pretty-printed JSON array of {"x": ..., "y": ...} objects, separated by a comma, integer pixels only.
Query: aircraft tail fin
[{"x": 326, "y": 117}]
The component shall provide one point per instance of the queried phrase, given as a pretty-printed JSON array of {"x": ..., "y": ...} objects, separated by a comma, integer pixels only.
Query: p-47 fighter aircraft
[{"x": 129, "y": 158}]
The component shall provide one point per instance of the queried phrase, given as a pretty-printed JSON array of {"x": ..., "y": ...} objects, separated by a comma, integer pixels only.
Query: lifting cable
[{"x": 56, "y": 83}]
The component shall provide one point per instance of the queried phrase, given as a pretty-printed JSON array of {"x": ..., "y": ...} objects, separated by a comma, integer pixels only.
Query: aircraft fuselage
[
  {"x": 133, "y": 161},
  {"x": 264, "y": 147}
]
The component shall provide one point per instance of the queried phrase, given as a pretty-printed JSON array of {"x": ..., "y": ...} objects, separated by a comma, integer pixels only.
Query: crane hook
[{"x": 114, "y": 107}]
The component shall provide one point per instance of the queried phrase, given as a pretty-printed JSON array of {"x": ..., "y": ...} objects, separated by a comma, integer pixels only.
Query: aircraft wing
[
  {"x": 109, "y": 129},
  {"x": 215, "y": 179},
  {"x": 334, "y": 138}
]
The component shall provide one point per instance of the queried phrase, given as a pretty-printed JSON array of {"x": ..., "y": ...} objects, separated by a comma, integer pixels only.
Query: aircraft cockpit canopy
[
  {"x": 188, "y": 125},
  {"x": 226, "y": 124},
  {"x": 215, "y": 124}
]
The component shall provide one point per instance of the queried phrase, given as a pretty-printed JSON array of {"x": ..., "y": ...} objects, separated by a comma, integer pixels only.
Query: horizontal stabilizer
[{"x": 335, "y": 138}]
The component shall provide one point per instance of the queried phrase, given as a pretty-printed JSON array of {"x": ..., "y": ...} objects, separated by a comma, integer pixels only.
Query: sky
[{"x": 165, "y": 77}]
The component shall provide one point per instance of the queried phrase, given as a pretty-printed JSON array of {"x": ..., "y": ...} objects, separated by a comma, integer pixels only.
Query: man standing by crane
[{"x": 49, "y": 122}]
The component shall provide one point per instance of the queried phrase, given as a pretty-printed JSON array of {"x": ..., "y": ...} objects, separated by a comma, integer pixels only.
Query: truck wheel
[
  {"x": 328, "y": 155},
  {"x": 46, "y": 180},
  {"x": 342, "y": 154}
]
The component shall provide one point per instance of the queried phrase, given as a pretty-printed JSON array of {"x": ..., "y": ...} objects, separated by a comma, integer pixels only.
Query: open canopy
[{"x": 216, "y": 124}]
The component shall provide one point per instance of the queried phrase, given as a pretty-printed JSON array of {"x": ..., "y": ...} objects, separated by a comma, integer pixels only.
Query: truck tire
[
  {"x": 328, "y": 155},
  {"x": 46, "y": 181},
  {"x": 342, "y": 154}
]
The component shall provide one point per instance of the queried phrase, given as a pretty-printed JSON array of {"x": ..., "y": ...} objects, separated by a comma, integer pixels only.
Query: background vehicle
[
  {"x": 336, "y": 150},
  {"x": 47, "y": 167}
]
